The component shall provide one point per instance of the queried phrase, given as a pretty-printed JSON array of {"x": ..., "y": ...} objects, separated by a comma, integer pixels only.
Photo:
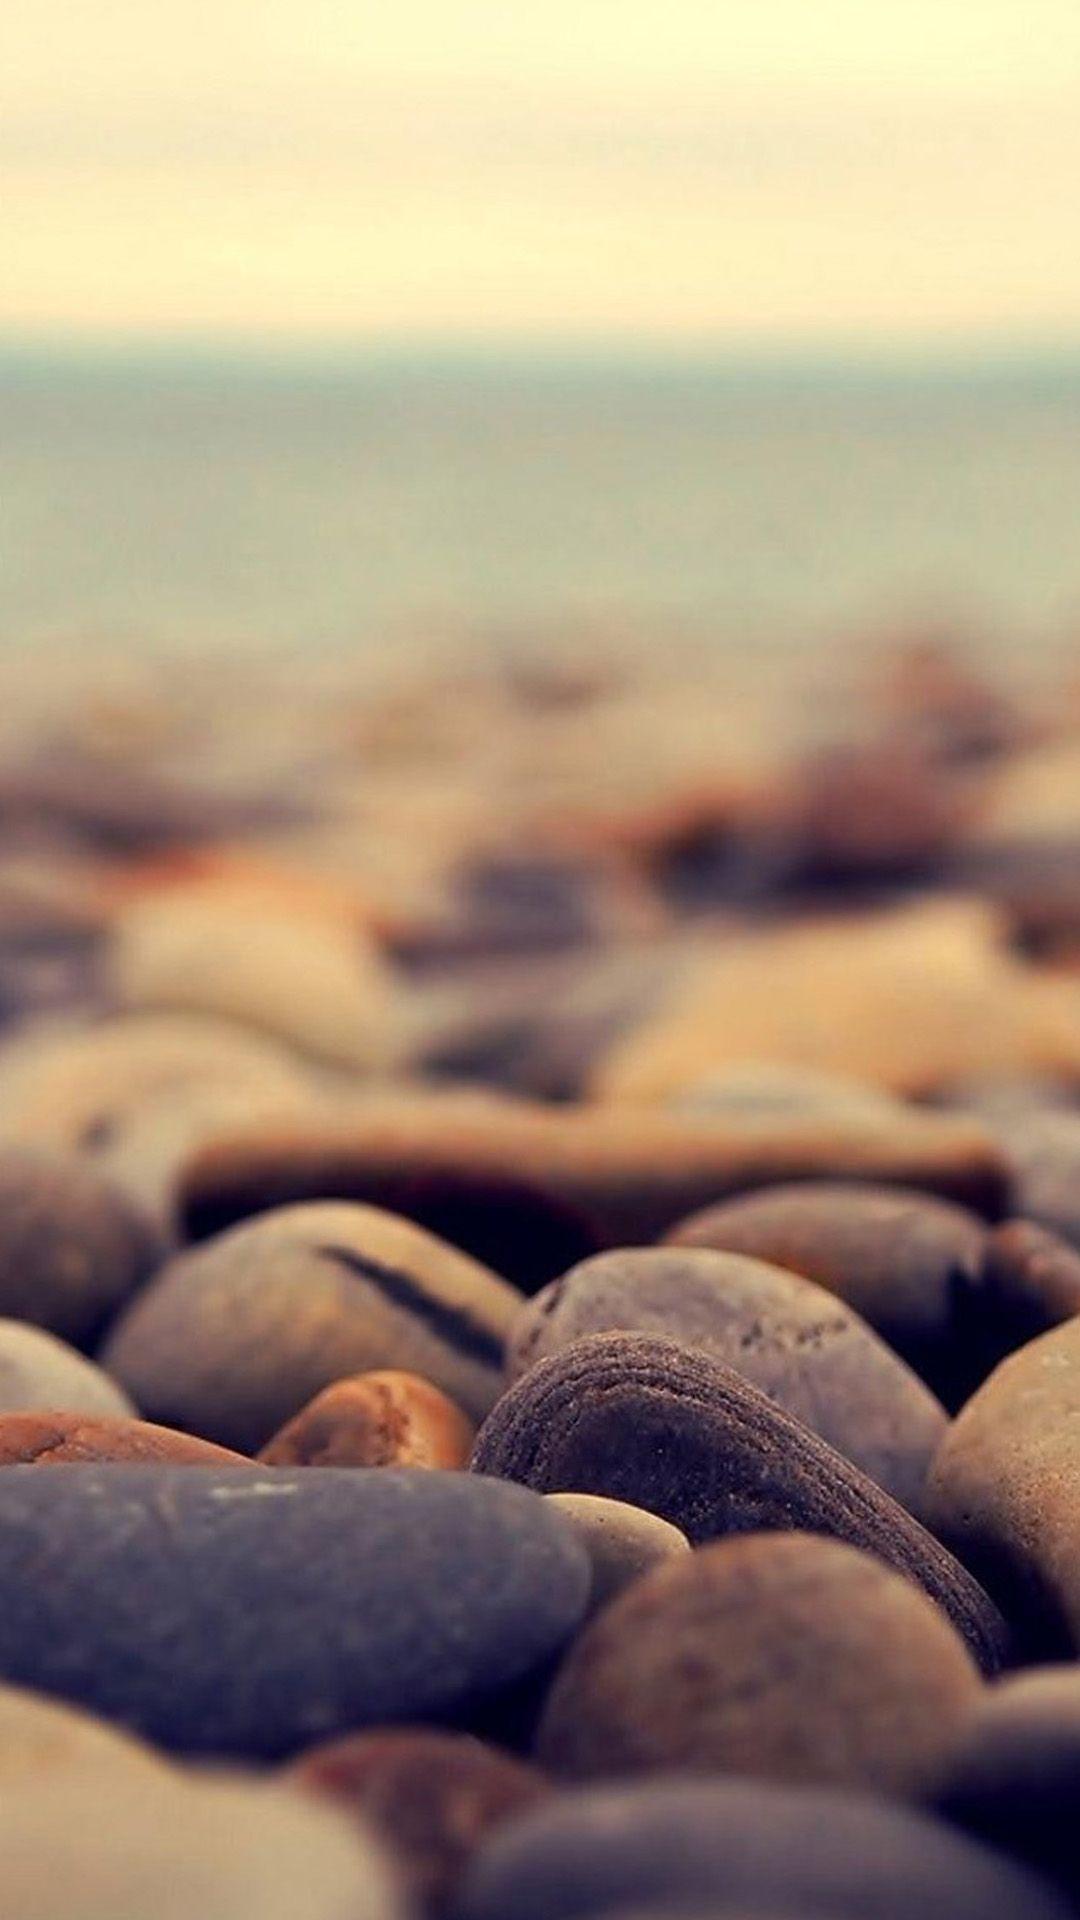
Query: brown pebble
[
  {"x": 495, "y": 1175},
  {"x": 1004, "y": 1489},
  {"x": 430, "y": 1796},
  {"x": 681, "y": 1434},
  {"x": 1031, "y": 1281},
  {"x": 780, "y": 1655},
  {"x": 72, "y": 1246},
  {"x": 1014, "y": 1773},
  {"x": 910, "y": 1264},
  {"x": 49, "y": 1439},
  {"x": 374, "y": 1420}
]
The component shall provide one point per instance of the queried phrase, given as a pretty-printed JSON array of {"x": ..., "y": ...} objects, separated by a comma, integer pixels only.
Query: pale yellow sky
[{"x": 798, "y": 169}]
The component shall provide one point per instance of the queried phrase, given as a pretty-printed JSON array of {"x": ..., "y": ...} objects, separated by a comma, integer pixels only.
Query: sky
[{"x": 789, "y": 171}]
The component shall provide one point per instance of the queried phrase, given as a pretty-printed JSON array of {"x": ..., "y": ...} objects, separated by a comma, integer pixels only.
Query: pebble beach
[{"x": 539, "y": 1245}]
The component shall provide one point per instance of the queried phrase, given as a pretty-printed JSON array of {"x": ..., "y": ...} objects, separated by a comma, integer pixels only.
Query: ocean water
[{"x": 172, "y": 499}]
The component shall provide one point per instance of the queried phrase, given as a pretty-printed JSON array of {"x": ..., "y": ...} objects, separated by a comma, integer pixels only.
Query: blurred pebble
[
  {"x": 72, "y": 1247},
  {"x": 232, "y": 1339},
  {"x": 249, "y": 1613},
  {"x": 175, "y": 1847},
  {"x": 319, "y": 987},
  {"x": 802, "y": 1346},
  {"x": 622, "y": 1542},
  {"x": 1014, "y": 1776},
  {"x": 41, "y": 1737},
  {"x": 39, "y": 1372},
  {"x": 374, "y": 1420},
  {"x": 432, "y": 1797},
  {"x": 744, "y": 1846},
  {"x": 780, "y": 1655},
  {"x": 647, "y": 1421}
]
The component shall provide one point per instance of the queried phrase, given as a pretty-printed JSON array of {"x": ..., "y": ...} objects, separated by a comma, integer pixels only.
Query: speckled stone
[
  {"x": 39, "y": 1372},
  {"x": 623, "y": 1542},
  {"x": 231, "y": 1339},
  {"x": 781, "y": 1655},
  {"x": 179, "y": 1847},
  {"x": 802, "y": 1346},
  {"x": 743, "y": 1845},
  {"x": 56, "y": 1439},
  {"x": 72, "y": 1247},
  {"x": 247, "y": 1613},
  {"x": 1014, "y": 1776},
  {"x": 676, "y": 1432},
  {"x": 431, "y": 1796},
  {"x": 375, "y": 1420},
  {"x": 908, "y": 1263},
  {"x": 1005, "y": 1486}
]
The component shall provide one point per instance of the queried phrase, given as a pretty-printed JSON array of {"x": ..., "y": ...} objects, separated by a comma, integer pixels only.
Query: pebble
[
  {"x": 766, "y": 1090},
  {"x": 248, "y": 1614},
  {"x": 653, "y": 1423},
  {"x": 743, "y": 1846},
  {"x": 802, "y": 1346},
  {"x": 318, "y": 986},
  {"x": 177, "y": 1847},
  {"x": 234, "y": 1337},
  {"x": 40, "y": 1372},
  {"x": 781, "y": 1655},
  {"x": 907, "y": 1262},
  {"x": 72, "y": 1247},
  {"x": 581, "y": 1177},
  {"x": 1004, "y": 1489},
  {"x": 375, "y": 1420},
  {"x": 622, "y": 1542},
  {"x": 1014, "y": 1776},
  {"x": 41, "y": 1737},
  {"x": 431, "y": 1796},
  {"x": 1030, "y": 1283},
  {"x": 51, "y": 1439}
]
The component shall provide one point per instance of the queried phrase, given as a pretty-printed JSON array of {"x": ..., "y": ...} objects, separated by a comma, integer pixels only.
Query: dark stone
[
  {"x": 1014, "y": 1778},
  {"x": 745, "y": 1847},
  {"x": 802, "y": 1346},
  {"x": 652, "y": 1423},
  {"x": 247, "y": 1613}
]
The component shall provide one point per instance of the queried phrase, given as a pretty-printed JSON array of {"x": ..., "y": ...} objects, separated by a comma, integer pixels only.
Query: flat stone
[
  {"x": 1005, "y": 1486},
  {"x": 677, "y": 1432},
  {"x": 622, "y": 1542},
  {"x": 743, "y": 1846},
  {"x": 494, "y": 1174},
  {"x": 40, "y": 1372},
  {"x": 233, "y": 1338},
  {"x": 176, "y": 1847},
  {"x": 56, "y": 1439},
  {"x": 251, "y": 1613},
  {"x": 375, "y": 1420},
  {"x": 910, "y": 1264},
  {"x": 432, "y": 1797},
  {"x": 781, "y": 1655},
  {"x": 801, "y": 1345}
]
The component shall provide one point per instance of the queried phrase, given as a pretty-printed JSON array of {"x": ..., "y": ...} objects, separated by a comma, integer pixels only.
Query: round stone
[
  {"x": 231, "y": 1339},
  {"x": 72, "y": 1247},
  {"x": 250, "y": 1613},
  {"x": 781, "y": 1655},
  {"x": 676, "y": 1432},
  {"x": 622, "y": 1542},
  {"x": 375, "y": 1420},
  {"x": 39, "y": 1372},
  {"x": 802, "y": 1346}
]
